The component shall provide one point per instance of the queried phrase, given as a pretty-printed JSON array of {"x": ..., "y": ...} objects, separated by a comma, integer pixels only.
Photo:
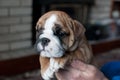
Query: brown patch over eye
[{"x": 59, "y": 32}]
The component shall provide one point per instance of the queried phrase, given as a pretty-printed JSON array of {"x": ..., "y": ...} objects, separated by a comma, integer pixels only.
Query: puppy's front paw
[
  {"x": 48, "y": 74},
  {"x": 53, "y": 67}
]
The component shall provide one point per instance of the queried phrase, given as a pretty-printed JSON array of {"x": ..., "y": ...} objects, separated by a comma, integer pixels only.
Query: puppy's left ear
[
  {"x": 78, "y": 29},
  {"x": 78, "y": 32}
]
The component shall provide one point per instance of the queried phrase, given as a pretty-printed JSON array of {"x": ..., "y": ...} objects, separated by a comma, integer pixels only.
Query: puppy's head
[{"x": 57, "y": 33}]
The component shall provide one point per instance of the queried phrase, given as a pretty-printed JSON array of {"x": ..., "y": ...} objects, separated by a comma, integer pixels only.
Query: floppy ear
[
  {"x": 78, "y": 29},
  {"x": 78, "y": 32}
]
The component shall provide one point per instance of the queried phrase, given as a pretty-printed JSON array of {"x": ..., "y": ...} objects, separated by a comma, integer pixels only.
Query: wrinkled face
[
  {"x": 49, "y": 43},
  {"x": 54, "y": 35}
]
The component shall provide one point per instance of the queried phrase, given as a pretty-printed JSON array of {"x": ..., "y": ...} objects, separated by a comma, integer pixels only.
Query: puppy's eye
[
  {"x": 59, "y": 32},
  {"x": 62, "y": 34},
  {"x": 39, "y": 30}
]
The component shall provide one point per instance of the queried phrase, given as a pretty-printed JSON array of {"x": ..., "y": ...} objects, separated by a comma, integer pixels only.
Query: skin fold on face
[{"x": 58, "y": 32}]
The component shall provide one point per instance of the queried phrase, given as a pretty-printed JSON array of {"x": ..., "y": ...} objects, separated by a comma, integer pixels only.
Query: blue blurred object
[
  {"x": 116, "y": 78},
  {"x": 112, "y": 70}
]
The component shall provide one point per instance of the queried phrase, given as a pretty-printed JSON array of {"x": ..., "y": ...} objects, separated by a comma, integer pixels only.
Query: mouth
[
  {"x": 42, "y": 50},
  {"x": 51, "y": 52}
]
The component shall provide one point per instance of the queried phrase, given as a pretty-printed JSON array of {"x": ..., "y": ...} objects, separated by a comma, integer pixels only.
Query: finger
[
  {"x": 68, "y": 74},
  {"x": 77, "y": 64},
  {"x": 63, "y": 75}
]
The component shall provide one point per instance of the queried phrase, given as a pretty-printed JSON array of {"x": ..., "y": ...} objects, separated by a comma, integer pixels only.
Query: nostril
[{"x": 45, "y": 41}]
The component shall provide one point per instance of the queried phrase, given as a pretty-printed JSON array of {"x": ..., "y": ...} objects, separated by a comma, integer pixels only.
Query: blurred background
[{"x": 18, "y": 58}]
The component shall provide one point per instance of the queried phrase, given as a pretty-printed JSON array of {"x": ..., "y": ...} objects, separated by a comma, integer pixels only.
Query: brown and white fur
[{"x": 60, "y": 39}]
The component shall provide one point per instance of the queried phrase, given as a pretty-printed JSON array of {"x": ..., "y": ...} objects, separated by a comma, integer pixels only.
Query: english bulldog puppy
[{"x": 60, "y": 40}]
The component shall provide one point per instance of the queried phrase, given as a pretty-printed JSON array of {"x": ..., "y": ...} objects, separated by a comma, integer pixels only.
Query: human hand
[{"x": 80, "y": 71}]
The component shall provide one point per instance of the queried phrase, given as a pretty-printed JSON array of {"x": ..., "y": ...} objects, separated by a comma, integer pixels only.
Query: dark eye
[
  {"x": 62, "y": 34},
  {"x": 59, "y": 32},
  {"x": 37, "y": 28},
  {"x": 39, "y": 32}
]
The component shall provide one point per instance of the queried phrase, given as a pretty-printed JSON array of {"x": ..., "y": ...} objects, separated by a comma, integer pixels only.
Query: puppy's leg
[
  {"x": 53, "y": 66},
  {"x": 44, "y": 65}
]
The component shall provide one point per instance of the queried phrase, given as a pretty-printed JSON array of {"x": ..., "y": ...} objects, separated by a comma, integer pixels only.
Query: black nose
[{"x": 44, "y": 41}]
